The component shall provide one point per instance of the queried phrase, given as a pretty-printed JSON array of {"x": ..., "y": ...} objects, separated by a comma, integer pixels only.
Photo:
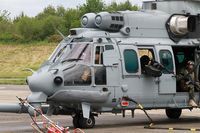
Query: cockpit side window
[
  {"x": 99, "y": 70},
  {"x": 99, "y": 55},
  {"x": 77, "y": 75}
]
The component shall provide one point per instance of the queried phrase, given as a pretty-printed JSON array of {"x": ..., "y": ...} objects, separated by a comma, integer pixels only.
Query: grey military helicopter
[{"x": 101, "y": 65}]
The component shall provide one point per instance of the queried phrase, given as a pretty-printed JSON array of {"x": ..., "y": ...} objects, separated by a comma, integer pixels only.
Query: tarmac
[{"x": 105, "y": 123}]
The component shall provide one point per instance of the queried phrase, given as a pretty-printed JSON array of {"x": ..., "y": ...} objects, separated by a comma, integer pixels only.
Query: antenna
[{"x": 60, "y": 33}]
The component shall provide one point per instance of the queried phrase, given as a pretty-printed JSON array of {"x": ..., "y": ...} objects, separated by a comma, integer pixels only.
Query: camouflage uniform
[{"x": 187, "y": 82}]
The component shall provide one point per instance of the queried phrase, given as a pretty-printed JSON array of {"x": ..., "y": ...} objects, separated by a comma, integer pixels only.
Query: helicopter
[{"x": 98, "y": 66}]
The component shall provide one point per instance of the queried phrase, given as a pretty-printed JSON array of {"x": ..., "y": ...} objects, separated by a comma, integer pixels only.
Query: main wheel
[
  {"x": 87, "y": 123},
  {"x": 173, "y": 113},
  {"x": 76, "y": 120}
]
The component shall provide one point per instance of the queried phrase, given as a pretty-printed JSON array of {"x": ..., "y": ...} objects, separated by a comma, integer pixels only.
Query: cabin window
[
  {"x": 166, "y": 60},
  {"x": 99, "y": 55},
  {"x": 131, "y": 61},
  {"x": 146, "y": 52},
  {"x": 180, "y": 57}
]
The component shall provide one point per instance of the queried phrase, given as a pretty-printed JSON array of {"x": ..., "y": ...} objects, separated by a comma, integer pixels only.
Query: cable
[
  {"x": 142, "y": 108},
  {"x": 151, "y": 125},
  {"x": 171, "y": 129}
]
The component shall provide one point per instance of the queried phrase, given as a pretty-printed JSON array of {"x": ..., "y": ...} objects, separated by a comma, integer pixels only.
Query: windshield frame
[
  {"x": 86, "y": 50},
  {"x": 60, "y": 46},
  {"x": 64, "y": 46}
]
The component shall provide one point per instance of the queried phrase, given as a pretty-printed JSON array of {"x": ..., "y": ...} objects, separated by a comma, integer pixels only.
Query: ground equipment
[{"x": 45, "y": 125}]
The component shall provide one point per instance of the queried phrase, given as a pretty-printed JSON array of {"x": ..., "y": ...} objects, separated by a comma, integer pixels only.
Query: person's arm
[{"x": 180, "y": 76}]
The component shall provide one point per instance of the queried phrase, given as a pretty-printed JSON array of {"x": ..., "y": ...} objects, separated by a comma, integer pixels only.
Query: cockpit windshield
[
  {"x": 59, "y": 49},
  {"x": 76, "y": 49},
  {"x": 78, "y": 52}
]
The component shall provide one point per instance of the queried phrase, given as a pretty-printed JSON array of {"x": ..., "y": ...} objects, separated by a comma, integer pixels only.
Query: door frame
[{"x": 165, "y": 87}]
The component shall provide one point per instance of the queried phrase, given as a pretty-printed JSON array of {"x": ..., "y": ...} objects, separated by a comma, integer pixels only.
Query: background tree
[
  {"x": 92, "y": 6},
  {"x": 4, "y": 15},
  {"x": 43, "y": 26},
  {"x": 121, "y": 7}
]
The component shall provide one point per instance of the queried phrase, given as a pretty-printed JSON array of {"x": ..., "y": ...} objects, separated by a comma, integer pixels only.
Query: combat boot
[{"x": 192, "y": 103}]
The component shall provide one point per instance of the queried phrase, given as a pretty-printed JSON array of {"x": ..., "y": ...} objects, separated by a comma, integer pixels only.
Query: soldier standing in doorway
[{"x": 187, "y": 82}]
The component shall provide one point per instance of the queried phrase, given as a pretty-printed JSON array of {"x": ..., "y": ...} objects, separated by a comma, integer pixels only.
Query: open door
[{"x": 167, "y": 82}]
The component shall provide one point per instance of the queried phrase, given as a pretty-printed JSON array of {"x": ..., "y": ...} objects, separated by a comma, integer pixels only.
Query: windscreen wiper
[
  {"x": 83, "y": 51},
  {"x": 70, "y": 60},
  {"x": 79, "y": 57}
]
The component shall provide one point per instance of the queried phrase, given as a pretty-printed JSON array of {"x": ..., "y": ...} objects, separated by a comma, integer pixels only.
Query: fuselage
[{"x": 99, "y": 64}]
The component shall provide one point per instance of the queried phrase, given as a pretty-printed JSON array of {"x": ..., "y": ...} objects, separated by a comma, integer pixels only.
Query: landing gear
[
  {"x": 76, "y": 119},
  {"x": 80, "y": 122},
  {"x": 173, "y": 113},
  {"x": 87, "y": 123}
]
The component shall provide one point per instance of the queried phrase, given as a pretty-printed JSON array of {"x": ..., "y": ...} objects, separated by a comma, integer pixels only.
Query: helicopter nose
[{"x": 40, "y": 82}]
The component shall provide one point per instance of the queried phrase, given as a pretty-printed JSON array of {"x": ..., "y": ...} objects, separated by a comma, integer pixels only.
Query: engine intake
[
  {"x": 88, "y": 20},
  {"x": 103, "y": 20},
  {"x": 181, "y": 25},
  {"x": 109, "y": 21}
]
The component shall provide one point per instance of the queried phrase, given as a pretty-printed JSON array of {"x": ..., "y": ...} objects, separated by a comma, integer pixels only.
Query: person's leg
[{"x": 191, "y": 96}]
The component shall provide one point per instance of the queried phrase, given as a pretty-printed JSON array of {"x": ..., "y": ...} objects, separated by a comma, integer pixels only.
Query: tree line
[{"x": 43, "y": 26}]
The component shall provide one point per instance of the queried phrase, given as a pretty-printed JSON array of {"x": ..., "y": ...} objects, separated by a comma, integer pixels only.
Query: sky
[{"x": 33, "y": 7}]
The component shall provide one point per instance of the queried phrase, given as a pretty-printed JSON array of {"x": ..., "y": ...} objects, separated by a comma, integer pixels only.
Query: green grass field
[{"x": 15, "y": 57}]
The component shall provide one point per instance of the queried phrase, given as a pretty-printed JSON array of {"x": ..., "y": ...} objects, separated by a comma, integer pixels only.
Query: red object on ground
[{"x": 54, "y": 130}]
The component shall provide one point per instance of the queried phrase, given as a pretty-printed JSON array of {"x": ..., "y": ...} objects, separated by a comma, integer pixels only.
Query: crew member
[
  {"x": 186, "y": 78},
  {"x": 86, "y": 75}
]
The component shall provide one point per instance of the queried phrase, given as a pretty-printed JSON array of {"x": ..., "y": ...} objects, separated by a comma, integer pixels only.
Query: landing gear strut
[{"x": 80, "y": 122}]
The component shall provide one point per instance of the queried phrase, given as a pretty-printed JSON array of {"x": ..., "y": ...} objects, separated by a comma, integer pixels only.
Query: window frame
[
  {"x": 169, "y": 48},
  {"x": 102, "y": 49},
  {"x": 154, "y": 54},
  {"x": 122, "y": 47},
  {"x": 164, "y": 71},
  {"x": 125, "y": 66}
]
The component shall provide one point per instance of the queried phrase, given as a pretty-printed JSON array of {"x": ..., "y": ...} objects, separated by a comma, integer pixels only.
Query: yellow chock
[
  {"x": 193, "y": 129},
  {"x": 171, "y": 129},
  {"x": 151, "y": 124},
  {"x": 139, "y": 105}
]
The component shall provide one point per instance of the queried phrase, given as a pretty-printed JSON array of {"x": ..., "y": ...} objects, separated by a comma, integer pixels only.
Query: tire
[
  {"x": 76, "y": 120},
  {"x": 173, "y": 113},
  {"x": 87, "y": 123}
]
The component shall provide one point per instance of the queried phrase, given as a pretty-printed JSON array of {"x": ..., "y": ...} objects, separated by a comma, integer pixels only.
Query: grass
[
  {"x": 15, "y": 57},
  {"x": 20, "y": 81}
]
